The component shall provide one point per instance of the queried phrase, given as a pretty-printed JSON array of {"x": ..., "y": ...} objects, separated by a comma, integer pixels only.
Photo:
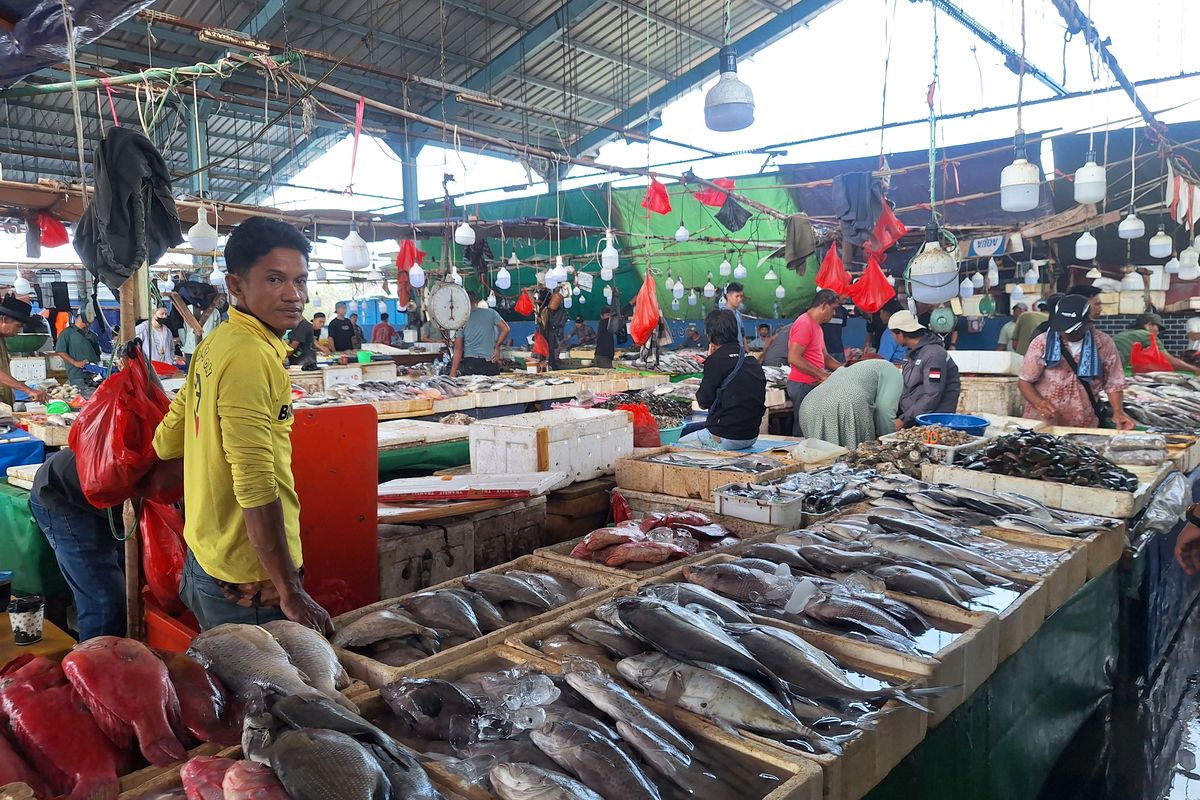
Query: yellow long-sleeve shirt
[{"x": 231, "y": 423}]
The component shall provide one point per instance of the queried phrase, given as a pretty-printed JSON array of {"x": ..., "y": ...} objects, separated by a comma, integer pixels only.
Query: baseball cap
[
  {"x": 905, "y": 321},
  {"x": 1072, "y": 313}
]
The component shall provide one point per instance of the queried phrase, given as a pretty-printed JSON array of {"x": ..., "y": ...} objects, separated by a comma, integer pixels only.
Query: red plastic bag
[
  {"x": 54, "y": 233},
  {"x": 715, "y": 197},
  {"x": 888, "y": 230},
  {"x": 620, "y": 508},
  {"x": 409, "y": 254},
  {"x": 1149, "y": 359},
  {"x": 872, "y": 290},
  {"x": 657, "y": 199},
  {"x": 163, "y": 550},
  {"x": 645, "y": 426},
  {"x": 524, "y": 305},
  {"x": 833, "y": 275},
  {"x": 540, "y": 346},
  {"x": 645, "y": 311},
  {"x": 113, "y": 437}
]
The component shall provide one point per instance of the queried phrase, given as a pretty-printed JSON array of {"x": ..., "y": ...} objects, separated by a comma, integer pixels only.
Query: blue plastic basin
[{"x": 967, "y": 423}]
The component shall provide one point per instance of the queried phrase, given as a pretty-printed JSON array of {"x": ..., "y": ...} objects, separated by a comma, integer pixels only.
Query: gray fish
[
  {"x": 917, "y": 582},
  {"x": 742, "y": 583},
  {"x": 499, "y": 588},
  {"x": 489, "y": 617},
  {"x": 830, "y": 558},
  {"x": 681, "y": 769},
  {"x": 763, "y": 565},
  {"x": 317, "y": 764},
  {"x": 602, "y": 634},
  {"x": 600, "y": 764},
  {"x": 780, "y": 554},
  {"x": 562, "y": 647},
  {"x": 388, "y": 623},
  {"x": 560, "y": 711},
  {"x": 851, "y": 611},
  {"x": 246, "y": 658},
  {"x": 615, "y": 701},
  {"x": 396, "y": 652},
  {"x": 917, "y": 549},
  {"x": 560, "y": 589},
  {"x": 519, "y": 781},
  {"x": 444, "y": 611},
  {"x": 312, "y": 655},
  {"x": 319, "y": 712},
  {"x": 433, "y": 709},
  {"x": 695, "y": 594}
]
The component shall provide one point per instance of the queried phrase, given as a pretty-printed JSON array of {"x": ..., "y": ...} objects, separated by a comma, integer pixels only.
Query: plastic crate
[{"x": 788, "y": 514}]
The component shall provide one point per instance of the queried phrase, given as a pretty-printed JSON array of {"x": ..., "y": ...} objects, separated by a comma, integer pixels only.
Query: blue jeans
[
  {"x": 717, "y": 443},
  {"x": 93, "y": 562},
  {"x": 204, "y": 597}
]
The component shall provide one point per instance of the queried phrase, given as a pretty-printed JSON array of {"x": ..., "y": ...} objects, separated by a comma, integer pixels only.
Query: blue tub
[
  {"x": 967, "y": 423},
  {"x": 670, "y": 435}
]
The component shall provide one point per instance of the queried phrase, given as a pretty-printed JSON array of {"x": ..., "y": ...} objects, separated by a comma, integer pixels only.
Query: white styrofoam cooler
[
  {"x": 28, "y": 368},
  {"x": 987, "y": 362},
  {"x": 584, "y": 443}
]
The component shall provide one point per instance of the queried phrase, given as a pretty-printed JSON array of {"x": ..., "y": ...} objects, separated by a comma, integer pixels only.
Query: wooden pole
[{"x": 134, "y": 620}]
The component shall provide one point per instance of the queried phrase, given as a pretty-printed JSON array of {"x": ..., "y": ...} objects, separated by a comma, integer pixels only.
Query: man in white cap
[{"x": 931, "y": 382}]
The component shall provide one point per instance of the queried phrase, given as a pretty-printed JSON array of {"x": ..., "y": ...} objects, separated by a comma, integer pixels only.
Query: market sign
[
  {"x": 584, "y": 281},
  {"x": 985, "y": 246}
]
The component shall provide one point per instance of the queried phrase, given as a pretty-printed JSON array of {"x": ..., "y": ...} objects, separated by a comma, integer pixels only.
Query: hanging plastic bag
[
  {"x": 620, "y": 508},
  {"x": 646, "y": 312},
  {"x": 833, "y": 275},
  {"x": 1171, "y": 500},
  {"x": 732, "y": 215},
  {"x": 409, "y": 254},
  {"x": 657, "y": 199},
  {"x": 163, "y": 550},
  {"x": 113, "y": 437},
  {"x": 645, "y": 426},
  {"x": 872, "y": 290},
  {"x": 524, "y": 305},
  {"x": 54, "y": 233},
  {"x": 1149, "y": 359},
  {"x": 887, "y": 231},
  {"x": 715, "y": 197}
]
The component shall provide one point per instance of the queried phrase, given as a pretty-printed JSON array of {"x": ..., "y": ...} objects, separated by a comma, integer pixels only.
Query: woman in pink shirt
[{"x": 810, "y": 363}]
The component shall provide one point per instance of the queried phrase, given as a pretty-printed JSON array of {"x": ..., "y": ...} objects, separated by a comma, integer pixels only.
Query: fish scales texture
[
  {"x": 314, "y": 657},
  {"x": 521, "y": 781},
  {"x": 597, "y": 762},
  {"x": 326, "y": 765},
  {"x": 204, "y": 776},
  {"x": 247, "y": 658},
  {"x": 129, "y": 692}
]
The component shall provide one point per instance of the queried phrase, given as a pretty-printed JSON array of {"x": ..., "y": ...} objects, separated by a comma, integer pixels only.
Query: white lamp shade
[
  {"x": 559, "y": 271},
  {"x": 1020, "y": 183},
  {"x": 1161, "y": 244},
  {"x": 416, "y": 276},
  {"x": 1085, "y": 246},
  {"x": 1091, "y": 183},
  {"x": 1171, "y": 267},
  {"x": 1031, "y": 275},
  {"x": 993, "y": 273},
  {"x": 1189, "y": 256},
  {"x": 567, "y": 301},
  {"x": 677, "y": 289},
  {"x": 217, "y": 277},
  {"x": 770, "y": 275},
  {"x": 726, "y": 269},
  {"x": 674, "y": 304},
  {"x": 729, "y": 106},
  {"x": 606, "y": 273},
  {"x": 552, "y": 280},
  {"x": 1094, "y": 274},
  {"x": 966, "y": 288},
  {"x": 513, "y": 261},
  {"x": 356, "y": 256},
  {"x": 609, "y": 257},
  {"x": 780, "y": 292},
  {"x": 1018, "y": 294},
  {"x": 503, "y": 279},
  {"x": 319, "y": 274},
  {"x": 1187, "y": 273},
  {"x": 202, "y": 237},
  {"x": 670, "y": 282},
  {"x": 464, "y": 234},
  {"x": 977, "y": 280},
  {"x": 1132, "y": 227},
  {"x": 933, "y": 274},
  {"x": 22, "y": 286},
  {"x": 740, "y": 272},
  {"x": 1133, "y": 282},
  {"x": 692, "y": 298},
  {"x": 682, "y": 234},
  {"x": 576, "y": 291},
  {"x": 607, "y": 294},
  {"x": 709, "y": 289}
]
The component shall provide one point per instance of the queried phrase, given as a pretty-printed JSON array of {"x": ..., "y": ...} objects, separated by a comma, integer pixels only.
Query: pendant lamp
[
  {"x": 692, "y": 298},
  {"x": 609, "y": 258},
  {"x": 568, "y": 301},
  {"x": 933, "y": 273},
  {"x": 166, "y": 285},
  {"x": 726, "y": 269},
  {"x": 709, "y": 288},
  {"x": 202, "y": 237},
  {"x": 1132, "y": 227},
  {"x": 682, "y": 234},
  {"x": 966, "y": 288},
  {"x": 1161, "y": 244},
  {"x": 1020, "y": 181},
  {"x": 677, "y": 290},
  {"x": 977, "y": 280},
  {"x": 739, "y": 272},
  {"x": 356, "y": 256},
  {"x": 729, "y": 106},
  {"x": 780, "y": 292},
  {"x": 674, "y": 304},
  {"x": 491, "y": 299},
  {"x": 1171, "y": 267},
  {"x": 1017, "y": 295},
  {"x": 217, "y": 278},
  {"x": 1187, "y": 273},
  {"x": 608, "y": 294},
  {"x": 1031, "y": 275},
  {"x": 993, "y": 273},
  {"x": 1189, "y": 256},
  {"x": 416, "y": 277},
  {"x": 1094, "y": 274},
  {"x": 1085, "y": 246},
  {"x": 464, "y": 235},
  {"x": 771, "y": 275},
  {"x": 1091, "y": 181}
]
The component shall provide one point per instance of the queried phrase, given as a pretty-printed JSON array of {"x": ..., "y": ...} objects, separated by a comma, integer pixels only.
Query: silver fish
[
  {"x": 602, "y": 634},
  {"x": 500, "y": 588},
  {"x": 442, "y": 610},
  {"x": 694, "y": 594},
  {"x": 386, "y": 623},
  {"x": 314, "y": 657},
  {"x": 519, "y": 781},
  {"x": 615, "y": 701},
  {"x": 682, "y": 769},
  {"x": 246, "y": 658},
  {"x": 600, "y": 764}
]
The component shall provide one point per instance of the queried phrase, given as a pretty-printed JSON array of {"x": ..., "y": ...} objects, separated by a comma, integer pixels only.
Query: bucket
[
  {"x": 670, "y": 435},
  {"x": 364, "y": 356},
  {"x": 967, "y": 423}
]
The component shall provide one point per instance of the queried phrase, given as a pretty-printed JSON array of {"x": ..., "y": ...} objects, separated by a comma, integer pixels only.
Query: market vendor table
[
  {"x": 54, "y": 644},
  {"x": 24, "y": 549}
]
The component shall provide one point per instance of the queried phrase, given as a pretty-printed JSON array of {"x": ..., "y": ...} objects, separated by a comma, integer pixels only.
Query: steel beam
[
  {"x": 619, "y": 60},
  {"x": 252, "y": 26},
  {"x": 407, "y": 151},
  {"x": 799, "y": 14},
  {"x": 664, "y": 22},
  {"x": 383, "y": 36},
  {"x": 483, "y": 11},
  {"x": 298, "y": 159}
]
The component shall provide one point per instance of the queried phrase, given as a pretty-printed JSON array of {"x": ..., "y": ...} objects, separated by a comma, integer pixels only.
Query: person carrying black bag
[{"x": 733, "y": 389}]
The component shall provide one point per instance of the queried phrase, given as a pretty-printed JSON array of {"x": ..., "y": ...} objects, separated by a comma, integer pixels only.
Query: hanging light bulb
[
  {"x": 674, "y": 304},
  {"x": 491, "y": 299},
  {"x": 993, "y": 273},
  {"x": 576, "y": 291},
  {"x": 464, "y": 234},
  {"x": 1031, "y": 275},
  {"x": 977, "y": 280},
  {"x": 739, "y": 272},
  {"x": 608, "y": 295},
  {"x": 1171, "y": 267},
  {"x": 560, "y": 272},
  {"x": 1132, "y": 282},
  {"x": 725, "y": 269},
  {"x": 692, "y": 298},
  {"x": 1085, "y": 246},
  {"x": 966, "y": 288},
  {"x": 356, "y": 256},
  {"x": 416, "y": 277},
  {"x": 780, "y": 292},
  {"x": 319, "y": 274},
  {"x": 1189, "y": 256},
  {"x": 1017, "y": 295},
  {"x": 709, "y": 289},
  {"x": 1091, "y": 182},
  {"x": 1020, "y": 181},
  {"x": 568, "y": 301},
  {"x": 609, "y": 257},
  {"x": 1132, "y": 226},
  {"x": 1094, "y": 274},
  {"x": 933, "y": 272},
  {"x": 677, "y": 289},
  {"x": 729, "y": 106},
  {"x": 202, "y": 237},
  {"x": 216, "y": 278},
  {"x": 670, "y": 281},
  {"x": 1161, "y": 244},
  {"x": 770, "y": 275},
  {"x": 166, "y": 285},
  {"x": 682, "y": 234}
]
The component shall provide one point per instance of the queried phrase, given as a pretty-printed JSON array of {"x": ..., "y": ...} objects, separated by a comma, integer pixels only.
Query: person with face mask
[
  {"x": 231, "y": 424},
  {"x": 158, "y": 343}
]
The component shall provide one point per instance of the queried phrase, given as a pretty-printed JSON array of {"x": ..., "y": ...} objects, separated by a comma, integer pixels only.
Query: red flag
[{"x": 409, "y": 255}]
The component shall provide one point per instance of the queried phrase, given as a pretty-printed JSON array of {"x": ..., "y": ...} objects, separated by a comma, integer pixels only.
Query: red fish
[
  {"x": 14, "y": 769},
  {"x": 205, "y": 707},
  {"x": 249, "y": 781},
  {"x": 607, "y": 537},
  {"x": 651, "y": 521},
  {"x": 129, "y": 693},
  {"x": 203, "y": 775},
  {"x": 37, "y": 672},
  {"x": 643, "y": 552},
  {"x": 686, "y": 518},
  {"x": 56, "y": 732}
]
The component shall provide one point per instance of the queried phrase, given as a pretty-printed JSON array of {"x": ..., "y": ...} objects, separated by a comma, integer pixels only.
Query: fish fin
[
  {"x": 118, "y": 731},
  {"x": 342, "y": 679},
  {"x": 163, "y": 751},
  {"x": 675, "y": 687},
  {"x": 343, "y": 701},
  {"x": 96, "y": 788}
]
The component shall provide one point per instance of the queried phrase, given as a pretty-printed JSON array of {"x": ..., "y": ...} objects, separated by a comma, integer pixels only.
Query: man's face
[
  {"x": 81, "y": 323},
  {"x": 340, "y": 311},
  {"x": 826, "y": 313},
  {"x": 734, "y": 299},
  {"x": 1152, "y": 328},
  {"x": 763, "y": 331},
  {"x": 274, "y": 290},
  {"x": 318, "y": 323},
  {"x": 10, "y": 326},
  {"x": 1017, "y": 312},
  {"x": 354, "y": 318},
  {"x": 1096, "y": 306}
]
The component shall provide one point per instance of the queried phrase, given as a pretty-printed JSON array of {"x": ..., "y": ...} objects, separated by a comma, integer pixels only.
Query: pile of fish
[
  {"x": 528, "y": 735},
  {"x": 1168, "y": 402},
  {"x": 680, "y": 362},
  {"x": 777, "y": 377},
  {"x": 1130, "y": 449},
  {"x": 689, "y": 645},
  {"x": 669, "y": 410},
  {"x": 821, "y": 491},
  {"x": 1043, "y": 456},
  {"x": 935, "y": 434},
  {"x": 888, "y": 456},
  {"x": 653, "y": 539},
  {"x": 699, "y": 459},
  {"x": 419, "y": 625},
  {"x": 432, "y": 388}
]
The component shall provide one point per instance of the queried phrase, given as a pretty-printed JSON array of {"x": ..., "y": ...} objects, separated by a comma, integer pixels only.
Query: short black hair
[
  {"x": 721, "y": 326},
  {"x": 825, "y": 297},
  {"x": 579, "y": 317},
  {"x": 339, "y": 304},
  {"x": 355, "y": 314},
  {"x": 383, "y": 317},
  {"x": 1083, "y": 290},
  {"x": 764, "y": 325},
  {"x": 734, "y": 286},
  {"x": 318, "y": 315},
  {"x": 257, "y": 236},
  {"x": 892, "y": 306}
]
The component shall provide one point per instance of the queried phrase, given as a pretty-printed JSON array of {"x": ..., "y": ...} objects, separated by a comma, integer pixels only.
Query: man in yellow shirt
[{"x": 231, "y": 423}]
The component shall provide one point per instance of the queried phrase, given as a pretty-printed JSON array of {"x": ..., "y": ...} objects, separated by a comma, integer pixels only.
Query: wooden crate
[
  {"x": 991, "y": 395},
  {"x": 690, "y": 482},
  {"x": 376, "y": 674},
  {"x": 1081, "y": 499},
  {"x": 577, "y": 509},
  {"x": 420, "y": 405},
  {"x": 1134, "y": 302}
]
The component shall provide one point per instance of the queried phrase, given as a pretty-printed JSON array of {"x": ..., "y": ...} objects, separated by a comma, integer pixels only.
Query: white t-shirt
[
  {"x": 158, "y": 345},
  {"x": 1193, "y": 326}
]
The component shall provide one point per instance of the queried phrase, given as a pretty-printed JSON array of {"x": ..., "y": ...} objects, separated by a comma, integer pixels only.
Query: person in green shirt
[
  {"x": 79, "y": 347},
  {"x": 1144, "y": 332}
]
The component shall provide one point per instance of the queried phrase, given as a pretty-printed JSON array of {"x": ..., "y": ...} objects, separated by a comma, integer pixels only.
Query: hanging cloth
[
  {"x": 716, "y": 197},
  {"x": 657, "y": 199},
  {"x": 732, "y": 215}
]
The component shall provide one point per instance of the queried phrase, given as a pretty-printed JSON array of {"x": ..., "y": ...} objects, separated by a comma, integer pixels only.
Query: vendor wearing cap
[
  {"x": 931, "y": 384},
  {"x": 14, "y": 316},
  {"x": 1067, "y": 367},
  {"x": 1141, "y": 350},
  {"x": 583, "y": 335}
]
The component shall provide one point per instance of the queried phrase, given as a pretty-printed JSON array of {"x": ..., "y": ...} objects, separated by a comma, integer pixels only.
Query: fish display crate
[
  {"x": 1185, "y": 456},
  {"x": 865, "y": 760},
  {"x": 991, "y": 395},
  {"x": 1066, "y": 497},
  {"x": 786, "y": 515},
  {"x": 418, "y": 405},
  {"x": 698, "y": 483},
  {"x": 51, "y": 435},
  {"x": 375, "y": 673},
  {"x": 799, "y": 778},
  {"x": 946, "y": 454},
  {"x": 584, "y": 443},
  {"x": 648, "y": 502}
]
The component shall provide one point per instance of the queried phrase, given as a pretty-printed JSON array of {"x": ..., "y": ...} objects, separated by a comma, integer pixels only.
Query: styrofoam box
[
  {"x": 788, "y": 514},
  {"x": 582, "y": 442},
  {"x": 379, "y": 371},
  {"x": 987, "y": 362},
  {"x": 28, "y": 369},
  {"x": 337, "y": 376}
]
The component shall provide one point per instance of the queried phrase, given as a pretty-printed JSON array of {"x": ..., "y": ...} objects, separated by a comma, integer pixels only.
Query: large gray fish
[
  {"x": 602, "y": 634},
  {"x": 917, "y": 549},
  {"x": 247, "y": 658},
  {"x": 848, "y": 611},
  {"x": 831, "y": 558},
  {"x": 396, "y": 652},
  {"x": 685, "y": 594},
  {"x": 615, "y": 701},
  {"x": 600, "y": 764},
  {"x": 313, "y": 656},
  {"x": 560, "y": 711},
  {"x": 318, "y": 764},
  {"x": 319, "y": 712},
  {"x": 780, "y": 554},
  {"x": 387, "y": 623},
  {"x": 489, "y": 617},
  {"x": 560, "y": 590},
  {"x": 900, "y": 578},
  {"x": 681, "y": 769},
  {"x": 445, "y": 611},
  {"x": 519, "y": 781},
  {"x": 741, "y": 583},
  {"x": 500, "y": 588},
  {"x": 433, "y": 709}
]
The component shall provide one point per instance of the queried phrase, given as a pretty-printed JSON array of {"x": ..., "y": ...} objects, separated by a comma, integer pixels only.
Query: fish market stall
[{"x": 695, "y": 474}]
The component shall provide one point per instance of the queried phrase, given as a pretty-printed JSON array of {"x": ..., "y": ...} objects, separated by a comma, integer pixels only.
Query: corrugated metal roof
[{"x": 557, "y": 67}]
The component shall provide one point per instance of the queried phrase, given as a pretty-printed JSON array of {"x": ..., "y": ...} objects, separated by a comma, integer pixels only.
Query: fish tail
[
  {"x": 343, "y": 701},
  {"x": 163, "y": 751}
]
